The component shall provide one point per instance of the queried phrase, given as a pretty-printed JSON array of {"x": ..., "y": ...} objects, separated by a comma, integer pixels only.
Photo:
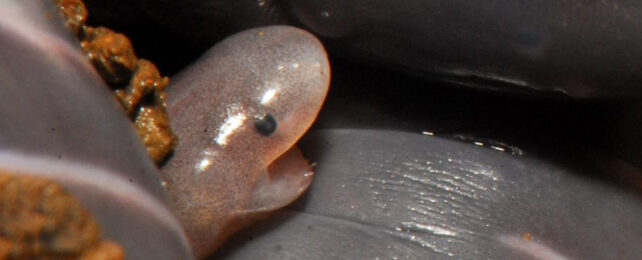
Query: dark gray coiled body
[{"x": 582, "y": 48}]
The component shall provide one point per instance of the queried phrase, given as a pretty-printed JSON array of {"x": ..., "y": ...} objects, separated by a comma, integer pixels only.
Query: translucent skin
[{"x": 218, "y": 179}]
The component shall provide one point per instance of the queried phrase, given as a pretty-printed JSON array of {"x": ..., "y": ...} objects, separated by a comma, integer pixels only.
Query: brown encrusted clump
[
  {"x": 39, "y": 220},
  {"x": 146, "y": 86},
  {"x": 150, "y": 123},
  {"x": 74, "y": 12},
  {"x": 136, "y": 83},
  {"x": 111, "y": 53},
  {"x": 144, "y": 100}
]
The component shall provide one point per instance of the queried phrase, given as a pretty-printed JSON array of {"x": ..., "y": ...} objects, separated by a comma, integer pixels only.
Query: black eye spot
[{"x": 266, "y": 125}]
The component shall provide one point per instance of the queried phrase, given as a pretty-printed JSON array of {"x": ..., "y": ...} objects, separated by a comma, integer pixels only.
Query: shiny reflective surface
[
  {"x": 218, "y": 178},
  {"x": 395, "y": 195}
]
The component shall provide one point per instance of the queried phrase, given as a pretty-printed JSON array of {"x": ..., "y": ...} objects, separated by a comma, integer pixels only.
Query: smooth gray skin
[
  {"x": 398, "y": 195},
  {"x": 58, "y": 119},
  {"x": 582, "y": 48}
]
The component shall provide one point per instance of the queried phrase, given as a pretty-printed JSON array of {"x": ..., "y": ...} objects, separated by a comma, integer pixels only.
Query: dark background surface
[{"x": 367, "y": 96}]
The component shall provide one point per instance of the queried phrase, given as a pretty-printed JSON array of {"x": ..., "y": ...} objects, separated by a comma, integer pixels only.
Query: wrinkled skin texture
[
  {"x": 388, "y": 194},
  {"x": 581, "y": 48},
  {"x": 59, "y": 121},
  {"x": 218, "y": 178}
]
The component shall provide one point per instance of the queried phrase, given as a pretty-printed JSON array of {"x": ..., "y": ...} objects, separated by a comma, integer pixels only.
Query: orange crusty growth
[
  {"x": 40, "y": 220},
  {"x": 111, "y": 53},
  {"x": 74, "y": 12},
  {"x": 136, "y": 83}
]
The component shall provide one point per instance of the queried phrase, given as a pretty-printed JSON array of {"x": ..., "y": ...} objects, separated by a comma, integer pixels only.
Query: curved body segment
[{"x": 390, "y": 194}]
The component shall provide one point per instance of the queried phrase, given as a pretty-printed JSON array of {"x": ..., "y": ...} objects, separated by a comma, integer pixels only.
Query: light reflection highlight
[
  {"x": 205, "y": 162},
  {"x": 235, "y": 119},
  {"x": 269, "y": 95}
]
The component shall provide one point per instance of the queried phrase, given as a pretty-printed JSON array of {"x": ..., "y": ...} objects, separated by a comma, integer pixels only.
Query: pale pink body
[{"x": 218, "y": 178}]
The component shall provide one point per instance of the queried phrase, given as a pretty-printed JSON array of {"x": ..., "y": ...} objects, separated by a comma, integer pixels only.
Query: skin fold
[
  {"x": 236, "y": 110},
  {"x": 58, "y": 120}
]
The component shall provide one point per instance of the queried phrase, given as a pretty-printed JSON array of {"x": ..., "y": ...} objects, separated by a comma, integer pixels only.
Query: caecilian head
[
  {"x": 235, "y": 111},
  {"x": 251, "y": 97}
]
